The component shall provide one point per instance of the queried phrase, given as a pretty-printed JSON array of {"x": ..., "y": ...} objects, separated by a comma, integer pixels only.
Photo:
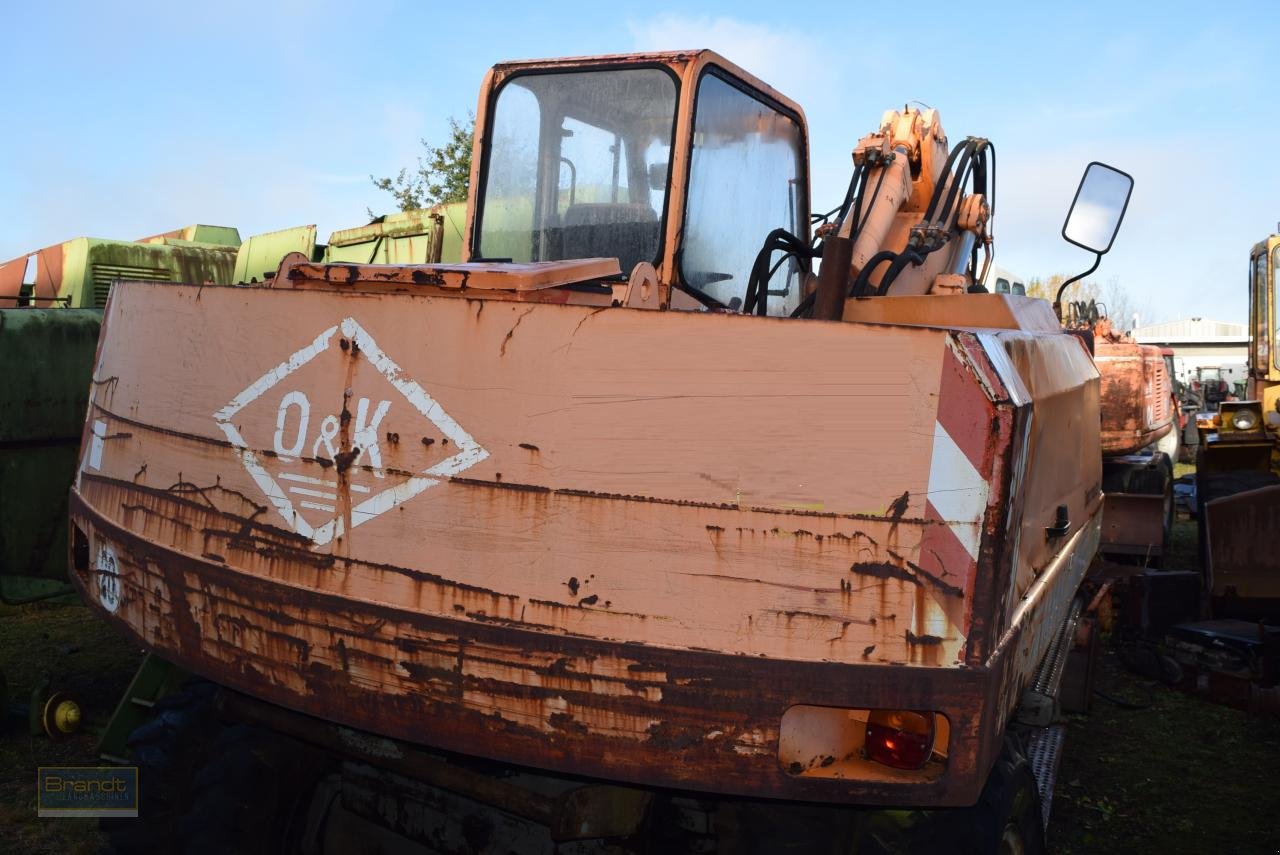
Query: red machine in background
[{"x": 1138, "y": 408}]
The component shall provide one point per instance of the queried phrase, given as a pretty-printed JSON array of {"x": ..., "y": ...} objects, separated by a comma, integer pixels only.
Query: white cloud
[{"x": 797, "y": 65}]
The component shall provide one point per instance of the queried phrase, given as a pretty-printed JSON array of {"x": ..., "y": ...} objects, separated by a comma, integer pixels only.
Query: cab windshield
[
  {"x": 577, "y": 167},
  {"x": 1275, "y": 265}
]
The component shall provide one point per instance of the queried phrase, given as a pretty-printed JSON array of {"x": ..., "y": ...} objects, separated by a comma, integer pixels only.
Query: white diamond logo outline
[{"x": 469, "y": 451}]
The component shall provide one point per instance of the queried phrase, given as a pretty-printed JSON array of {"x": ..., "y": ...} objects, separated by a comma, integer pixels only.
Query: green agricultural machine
[
  {"x": 425, "y": 236},
  {"x": 50, "y": 309},
  {"x": 51, "y": 304}
]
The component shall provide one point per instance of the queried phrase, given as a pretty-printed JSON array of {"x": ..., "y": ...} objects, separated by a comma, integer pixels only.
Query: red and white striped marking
[{"x": 959, "y": 483}]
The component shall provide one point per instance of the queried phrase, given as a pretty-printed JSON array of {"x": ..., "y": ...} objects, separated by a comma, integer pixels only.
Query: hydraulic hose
[
  {"x": 906, "y": 257},
  {"x": 862, "y": 285},
  {"x": 855, "y": 182},
  {"x": 778, "y": 240}
]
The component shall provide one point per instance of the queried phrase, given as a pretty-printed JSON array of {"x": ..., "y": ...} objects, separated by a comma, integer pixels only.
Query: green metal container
[
  {"x": 423, "y": 236},
  {"x": 49, "y": 337},
  {"x": 48, "y": 358}
]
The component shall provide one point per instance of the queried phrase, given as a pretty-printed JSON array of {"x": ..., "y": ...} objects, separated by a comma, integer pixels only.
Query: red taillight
[{"x": 899, "y": 738}]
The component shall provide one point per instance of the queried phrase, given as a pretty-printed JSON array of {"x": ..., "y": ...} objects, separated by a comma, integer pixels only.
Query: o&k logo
[{"x": 336, "y": 435}]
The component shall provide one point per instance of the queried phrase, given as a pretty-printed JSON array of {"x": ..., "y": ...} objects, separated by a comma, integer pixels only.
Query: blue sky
[{"x": 138, "y": 118}]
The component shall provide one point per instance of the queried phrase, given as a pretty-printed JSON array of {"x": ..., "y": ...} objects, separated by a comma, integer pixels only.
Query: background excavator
[
  {"x": 629, "y": 533},
  {"x": 1139, "y": 436},
  {"x": 1238, "y": 466},
  {"x": 1217, "y": 632}
]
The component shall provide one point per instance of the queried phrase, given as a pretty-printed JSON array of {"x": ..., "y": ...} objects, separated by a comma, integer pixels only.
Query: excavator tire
[
  {"x": 210, "y": 787},
  {"x": 1007, "y": 818},
  {"x": 165, "y": 748},
  {"x": 250, "y": 797}
]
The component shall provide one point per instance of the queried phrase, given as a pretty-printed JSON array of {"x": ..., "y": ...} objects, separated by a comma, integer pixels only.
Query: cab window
[
  {"x": 1258, "y": 321},
  {"x": 1275, "y": 264},
  {"x": 745, "y": 180},
  {"x": 577, "y": 166}
]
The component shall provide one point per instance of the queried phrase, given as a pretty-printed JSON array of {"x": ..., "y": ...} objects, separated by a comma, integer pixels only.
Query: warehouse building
[{"x": 1201, "y": 343}]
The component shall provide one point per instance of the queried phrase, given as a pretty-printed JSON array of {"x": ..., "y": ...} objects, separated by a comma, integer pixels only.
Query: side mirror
[
  {"x": 1095, "y": 216},
  {"x": 1098, "y": 208}
]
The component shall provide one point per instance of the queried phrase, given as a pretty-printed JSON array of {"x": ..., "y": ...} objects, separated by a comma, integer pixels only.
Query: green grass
[
  {"x": 1182, "y": 775},
  {"x": 89, "y": 661}
]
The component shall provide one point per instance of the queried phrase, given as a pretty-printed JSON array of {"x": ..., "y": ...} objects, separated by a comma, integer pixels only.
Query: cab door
[{"x": 1259, "y": 320}]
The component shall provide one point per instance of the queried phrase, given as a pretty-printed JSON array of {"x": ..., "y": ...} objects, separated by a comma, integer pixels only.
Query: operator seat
[{"x": 627, "y": 232}]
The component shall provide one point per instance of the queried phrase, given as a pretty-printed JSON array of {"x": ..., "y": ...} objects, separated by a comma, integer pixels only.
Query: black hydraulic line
[
  {"x": 960, "y": 163},
  {"x": 972, "y": 160},
  {"x": 862, "y": 284},
  {"x": 907, "y": 257},
  {"x": 858, "y": 175},
  {"x": 981, "y": 173},
  {"x": 778, "y": 240},
  {"x": 761, "y": 293},
  {"x": 774, "y": 269},
  {"x": 806, "y": 305},
  {"x": 1057, "y": 301},
  {"x": 822, "y": 218},
  {"x": 875, "y": 197},
  {"x": 962, "y": 146},
  {"x": 967, "y": 159},
  {"x": 956, "y": 190}
]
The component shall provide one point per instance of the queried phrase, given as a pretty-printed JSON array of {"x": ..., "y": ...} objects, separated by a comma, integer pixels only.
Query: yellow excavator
[
  {"x": 1238, "y": 467},
  {"x": 628, "y": 533}
]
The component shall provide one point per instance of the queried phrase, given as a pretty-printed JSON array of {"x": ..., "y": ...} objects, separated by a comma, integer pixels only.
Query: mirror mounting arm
[{"x": 1057, "y": 300}]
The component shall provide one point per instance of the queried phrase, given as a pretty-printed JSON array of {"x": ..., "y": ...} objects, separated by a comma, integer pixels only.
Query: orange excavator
[
  {"x": 1139, "y": 413},
  {"x": 627, "y": 533}
]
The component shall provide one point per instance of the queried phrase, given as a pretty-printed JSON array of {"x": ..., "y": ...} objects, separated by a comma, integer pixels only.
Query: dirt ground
[{"x": 1176, "y": 775}]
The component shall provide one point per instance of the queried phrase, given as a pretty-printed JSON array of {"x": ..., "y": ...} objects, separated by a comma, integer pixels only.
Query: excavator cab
[{"x": 681, "y": 161}]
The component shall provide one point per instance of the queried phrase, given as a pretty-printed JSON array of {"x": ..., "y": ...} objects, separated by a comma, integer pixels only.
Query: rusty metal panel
[
  {"x": 1243, "y": 530},
  {"x": 1133, "y": 524},
  {"x": 490, "y": 276},
  {"x": 11, "y": 275},
  {"x": 1137, "y": 392},
  {"x": 580, "y": 537},
  {"x": 47, "y": 283},
  {"x": 592, "y": 429},
  {"x": 1063, "y": 465}
]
